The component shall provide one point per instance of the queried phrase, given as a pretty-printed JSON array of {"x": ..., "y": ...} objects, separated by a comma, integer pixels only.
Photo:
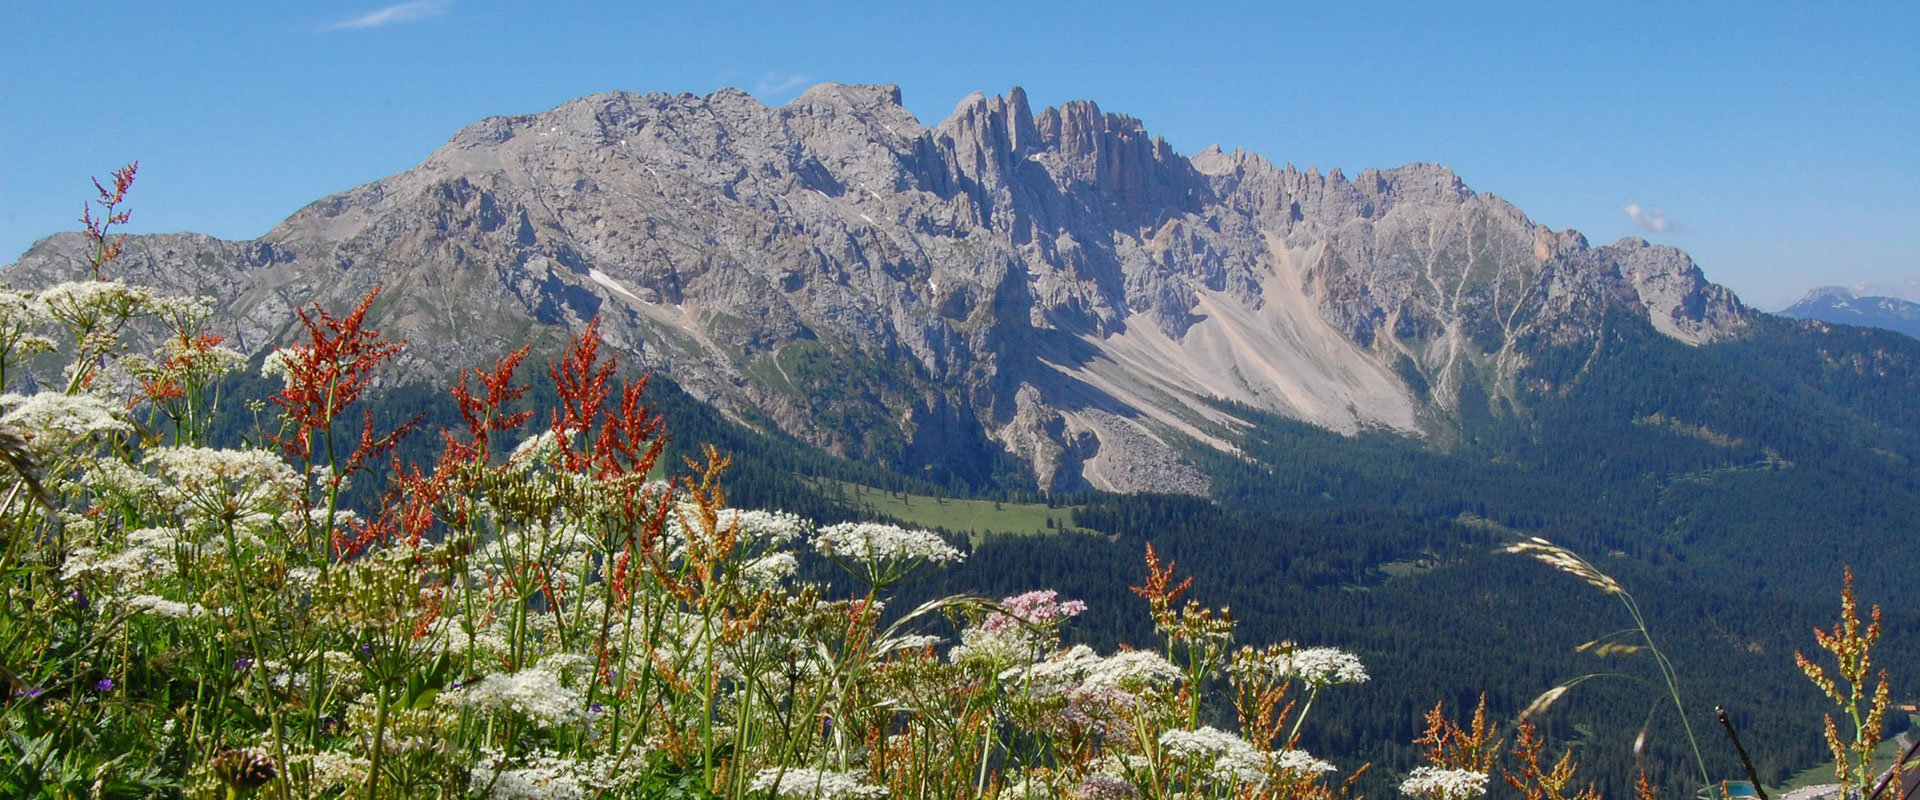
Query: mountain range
[
  {"x": 1056, "y": 286},
  {"x": 1871, "y": 307}
]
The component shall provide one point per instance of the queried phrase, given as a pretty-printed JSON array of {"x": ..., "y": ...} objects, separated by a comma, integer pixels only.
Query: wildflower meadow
[{"x": 547, "y": 610}]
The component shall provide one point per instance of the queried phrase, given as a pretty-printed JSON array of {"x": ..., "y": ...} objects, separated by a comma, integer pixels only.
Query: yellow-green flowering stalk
[{"x": 1851, "y": 645}]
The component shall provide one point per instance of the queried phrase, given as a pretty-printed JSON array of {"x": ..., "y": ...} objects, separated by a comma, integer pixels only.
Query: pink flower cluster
[{"x": 1039, "y": 607}]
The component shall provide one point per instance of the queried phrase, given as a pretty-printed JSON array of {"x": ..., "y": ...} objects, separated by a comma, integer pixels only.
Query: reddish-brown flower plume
[
  {"x": 100, "y": 248},
  {"x": 329, "y": 373},
  {"x": 484, "y": 413}
]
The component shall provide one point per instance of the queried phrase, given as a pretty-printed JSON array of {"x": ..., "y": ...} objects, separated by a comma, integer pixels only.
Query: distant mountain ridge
[
  {"x": 1908, "y": 290},
  {"x": 1844, "y": 306},
  {"x": 1059, "y": 286}
]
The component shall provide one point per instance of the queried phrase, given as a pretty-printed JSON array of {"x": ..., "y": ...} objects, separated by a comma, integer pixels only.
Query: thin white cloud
[
  {"x": 1651, "y": 220},
  {"x": 401, "y": 12},
  {"x": 773, "y": 84}
]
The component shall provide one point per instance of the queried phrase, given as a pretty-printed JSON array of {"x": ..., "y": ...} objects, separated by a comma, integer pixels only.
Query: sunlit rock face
[{"x": 1061, "y": 285}]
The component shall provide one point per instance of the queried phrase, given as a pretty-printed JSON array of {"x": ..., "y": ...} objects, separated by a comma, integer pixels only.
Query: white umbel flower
[
  {"x": 535, "y": 692},
  {"x": 798, "y": 783},
  {"x": 1433, "y": 783},
  {"x": 281, "y": 362},
  {"x": 155, "y": 604},
  {"x": 1231, "y": 759},
  {"x": 1299, "y": 761},
  {"x": 65, "y": 417},
  {"x": 78, "y": 303},
  {"x": 876, "y": 542},
  {"x": 1209, "y": 745},
  {"x": 1132, "y": 671},
  {"x": 770, "y": 528},
  {"x": 225, "y": 483},
  {"x": 543, "y": 777},
  {"x": 1327, "y": 666},
  {"x": 332, "y": 769}
]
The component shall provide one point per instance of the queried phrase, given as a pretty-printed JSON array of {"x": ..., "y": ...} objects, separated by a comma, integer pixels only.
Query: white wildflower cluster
[
  {"x": 565, "y": 547},
  {"x": 543, "y": 777},
  {"x": 155, "y": 604},
  {"x": 1434, "y": 783},
  {"x": 53, "y": 420},
  {"x": 1298, "y": 762},
  {"x": 19, "y": 310},
  {"x": 796, "y": 783},
  {"x": 534, "y": 451},
  {"x": 180, "y": 313},
  {"x": 549, "y": 776},
  {"x": 1314, "y": 666},
  {"x": 875, "y": 542},
  {"x": 767, "y": 528},
  {"x": 749, "y": 526},
  {"x": 1132, "y": 671},
  {"x": 757, "y": 537},
  {"x": 283, "y": 360},
  {"x": 1028, "y": 787},
  {"x": 182, "y": 358},
  {"x": 1327, "y": 666},
  {"x": 148, "y": 555},
  {"x": 331, "y": 769},
  {"x": 994, "y": 649},
  {"x": 115, "y": 477},
  {"x": 1080, "y": 673},
  {"x": 19, "y": 315},
  {"x": 1055, "y": 674},
  {"x": 535, "y": 692},
  {"x": 1231, "y": 759},
  {"x": 769, "y": 570},
  {"x": 255, "y": 479},
  {"x": 1121, "y": 765},
  {"x": 81, "y": 304}
]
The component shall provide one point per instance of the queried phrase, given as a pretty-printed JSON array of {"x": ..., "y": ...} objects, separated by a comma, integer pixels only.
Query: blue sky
[{"x": 1779, "y": 143}]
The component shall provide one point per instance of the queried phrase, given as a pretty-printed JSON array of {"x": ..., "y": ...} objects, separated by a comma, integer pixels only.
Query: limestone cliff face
[{"x": 1059, "y": 285}]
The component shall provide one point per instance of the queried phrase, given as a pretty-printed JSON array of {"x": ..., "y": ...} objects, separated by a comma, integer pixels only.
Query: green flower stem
[
  {"x": 379, "y": 737},
  {"x": 1293, "y": 735},
  {"x": 259, "y": 650}
]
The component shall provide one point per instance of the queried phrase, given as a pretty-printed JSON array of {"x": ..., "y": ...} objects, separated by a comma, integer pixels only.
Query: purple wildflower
[
  {"x": 1040, "y": 607},
  {"x": 242, "y": 664},
  {"x": 105, "y": 685}
]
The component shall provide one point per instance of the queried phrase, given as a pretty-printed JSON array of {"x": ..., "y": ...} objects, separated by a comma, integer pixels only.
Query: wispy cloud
[
  {"x": 401, "y": 12},
  {"x": 1651, "y": 220},
  {"x": 773, "y": 84}
]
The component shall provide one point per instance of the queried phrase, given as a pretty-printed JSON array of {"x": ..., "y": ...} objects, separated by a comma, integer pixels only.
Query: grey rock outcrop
[{"x": 1060, "y": 285}]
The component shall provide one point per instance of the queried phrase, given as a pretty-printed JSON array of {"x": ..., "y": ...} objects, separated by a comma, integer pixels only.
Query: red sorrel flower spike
[
  {"x": 633, "y": 436},
  {"x": 482, "y": 413},
  {"x": 374, "y": 445},
  {"x": 328, "y": 374},
  {"x": 582, "y": 381}
]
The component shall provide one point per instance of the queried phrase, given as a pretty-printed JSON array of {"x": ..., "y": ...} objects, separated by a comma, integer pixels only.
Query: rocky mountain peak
[{"x": 1061, "y": 286}]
